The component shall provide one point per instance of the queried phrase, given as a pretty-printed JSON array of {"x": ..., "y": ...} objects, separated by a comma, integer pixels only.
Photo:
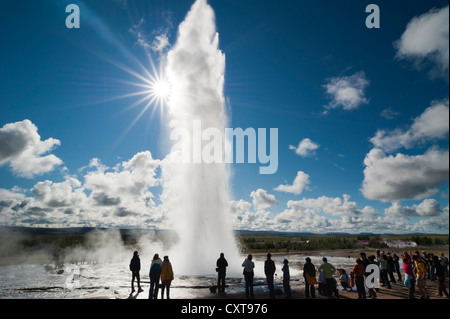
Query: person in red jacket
[
  {"x": 410, "y": 281},
  {"x": 358, "y": 275}
]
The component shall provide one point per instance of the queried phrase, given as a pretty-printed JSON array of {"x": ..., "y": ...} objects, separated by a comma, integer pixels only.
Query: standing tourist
[
  {"x": 135, "y": 267},
  {"x": 383, "y": 263},
  {"x": 358, "y": 275},
  {"x": 166, "y": 276},
  {"x": 309, "y": 273},
  {"x": 249, "y": 265},
  {"x": 221, "y": 265},
  {"x": 155, "y": 275},
  {"x": 397, "y": 267},
  {"x": 444, "y": 263},
  {"x": 440, "y": 277},
  {"x": 421, "y": 273},
  {"x": 410, "y": 281},
  {"x": 269, "y": 271},
  {"x": 329, "y": 270},
  {"x": 286, "y": 279}
]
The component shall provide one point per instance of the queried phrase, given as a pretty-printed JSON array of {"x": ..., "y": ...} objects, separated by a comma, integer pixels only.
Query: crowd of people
[{"x": 417, "y": 268}]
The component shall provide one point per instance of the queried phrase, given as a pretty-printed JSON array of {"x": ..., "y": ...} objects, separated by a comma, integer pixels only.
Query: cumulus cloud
[
  {"x": 426, "y": 38},
  {"x": 300, "y": 218},
  {"x": 305, "y": 147},
  {"x": 11, "y": 199},
  {"x": 431, "y": 125},
  {"x": 22, "y": 148},
  {"x": 262, "y": 200},
  {"x": 300, "y": 183},
  {"x": 348, "y": 211},
  {"x": 124, "y": 190},
  {"x": 434, "y": 224},
  {"x": 390, "y": 178},
  {"x": 401, "y": 176},
  {"x": 104, "y": 197},
  {"x": 347, "y": 92},
  {"x": 330, "y": 214},
  {"x": 64, "y": 194},
  {"x": 427, "y": 208},
  {"x": 244, "y": 218},
  {"x": 310, "y": 215}
]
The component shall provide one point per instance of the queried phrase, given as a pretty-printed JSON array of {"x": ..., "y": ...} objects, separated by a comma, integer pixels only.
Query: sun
[
  {"x": 151, "y": 88},
  {"x": 160, "y": 89}
]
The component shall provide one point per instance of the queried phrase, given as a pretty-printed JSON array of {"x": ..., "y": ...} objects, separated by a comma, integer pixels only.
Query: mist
[{"x": 57, "y": 248}]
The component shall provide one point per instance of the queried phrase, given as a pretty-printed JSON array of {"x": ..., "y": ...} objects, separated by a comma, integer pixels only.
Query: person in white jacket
[{"x": 248, "y": 265}]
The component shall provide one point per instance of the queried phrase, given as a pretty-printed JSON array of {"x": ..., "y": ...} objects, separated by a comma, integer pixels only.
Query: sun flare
[{"x": 160, "y": 89}]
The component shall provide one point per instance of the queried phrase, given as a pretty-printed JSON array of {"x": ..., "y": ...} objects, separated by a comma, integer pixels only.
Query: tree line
[{"x": 271, "y": 243}]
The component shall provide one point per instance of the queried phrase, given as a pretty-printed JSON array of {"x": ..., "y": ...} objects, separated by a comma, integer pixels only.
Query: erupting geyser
[{"x": 196, "y": 194}]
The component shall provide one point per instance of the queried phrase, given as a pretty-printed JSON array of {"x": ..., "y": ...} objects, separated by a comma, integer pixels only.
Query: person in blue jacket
[{"x": 155, "y": 275}]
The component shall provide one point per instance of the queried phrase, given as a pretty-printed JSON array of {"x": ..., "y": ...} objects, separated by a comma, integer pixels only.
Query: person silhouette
[
  {"x": 269, "y": 271},
  {"x": 248, "y": 265},
  {"x": 166, "y": 276},
  {"x": 286, "y": 279},
  {"x": 221, "y": 265},
  {"x": 154, "y": 274},
  {"x": 135, "y": 267},
  {"x": 329, "y": 270},
  {"x": 309, "y": 273}
]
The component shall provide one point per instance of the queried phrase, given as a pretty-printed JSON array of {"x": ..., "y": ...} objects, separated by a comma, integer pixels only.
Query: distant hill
[{"x": 138, "y": 231}]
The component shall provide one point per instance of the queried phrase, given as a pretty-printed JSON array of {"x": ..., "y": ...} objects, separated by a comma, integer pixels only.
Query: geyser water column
[{"x": 196, "y": 194}]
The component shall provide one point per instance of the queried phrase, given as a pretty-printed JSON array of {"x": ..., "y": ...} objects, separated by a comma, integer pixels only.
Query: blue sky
[{"x": 372, "y": 102}]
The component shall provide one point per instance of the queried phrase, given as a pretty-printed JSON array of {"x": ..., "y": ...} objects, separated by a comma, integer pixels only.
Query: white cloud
[
  {"x": 244, "y": 218},
  {"x": 21, "y": 147},
  {"x": 108, "y": 197},
  {"x": 262, "y": 200},
  {"x": 347, "y": 92},
  {"x": 141, "y": 39},
  {"x": 427, "y": 208},
  {"x": 300, "y": 218},
  {"x": 435, "y": 224},
  {"x": 432, "y": 124},
  {"x": 300, "y": 183},
  {"x": 305, "y": 147},
  {"x": 389, "y": 178},
  {"x": 392, "y": 178},
  {"x": 349, "y": 212},
  {"x": 64, "y": 194},
  {"x": 160, "y": 43},
  {"x": 310, "y": 215},
  {"x": 128, "y": 183},
  {"x": 426, "y": 38}
]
